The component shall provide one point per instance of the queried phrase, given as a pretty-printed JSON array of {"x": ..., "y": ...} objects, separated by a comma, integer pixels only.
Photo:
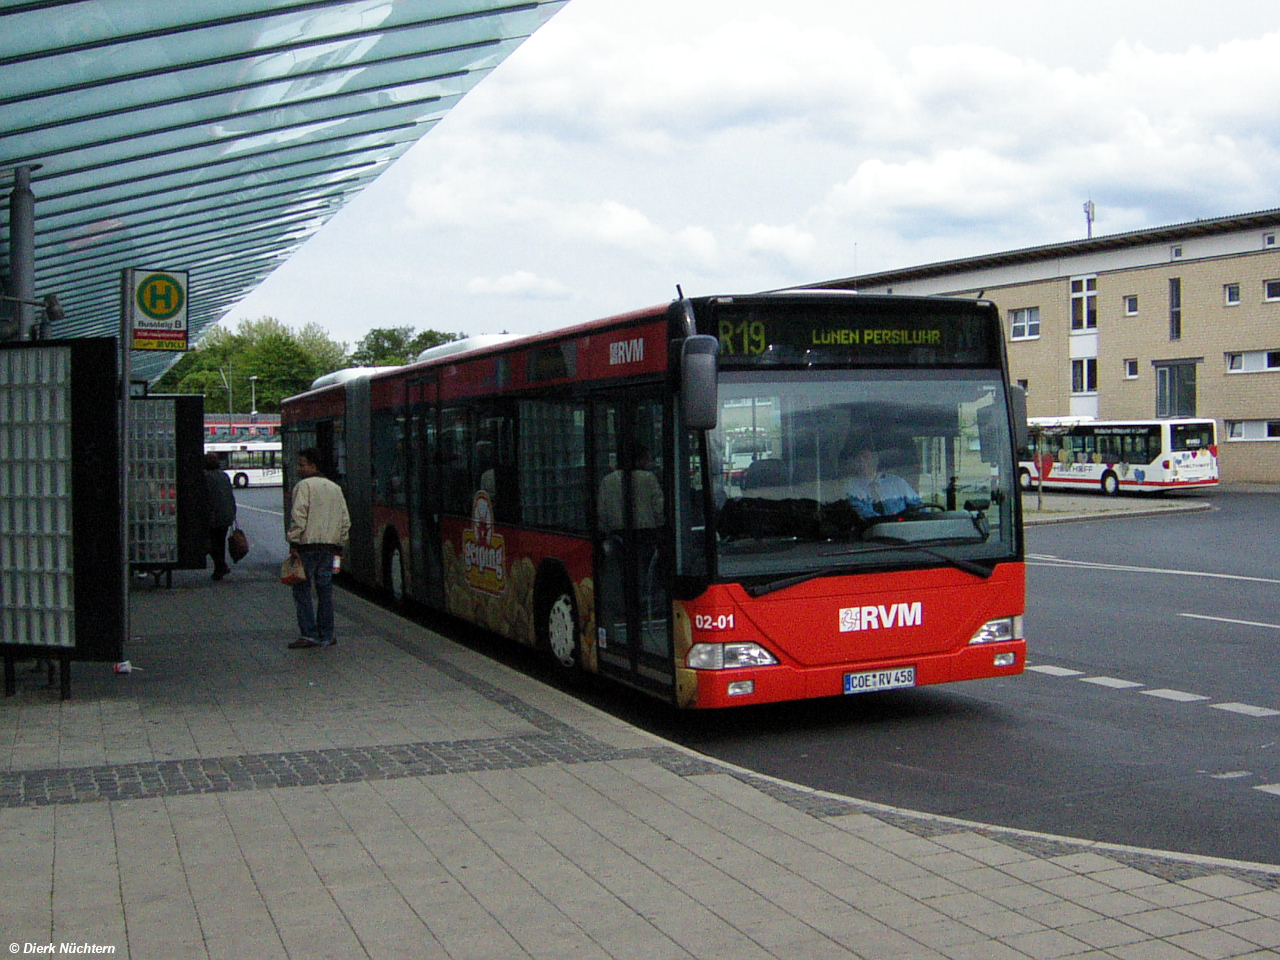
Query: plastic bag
[{"x": 292, "y": 571}]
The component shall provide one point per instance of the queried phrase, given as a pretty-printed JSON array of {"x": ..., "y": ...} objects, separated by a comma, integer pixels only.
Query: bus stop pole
[{"x": 126, "y": 352}]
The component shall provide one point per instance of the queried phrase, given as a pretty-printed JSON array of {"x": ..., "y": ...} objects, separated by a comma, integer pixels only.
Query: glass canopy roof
[{"x": 215, "y": 136}]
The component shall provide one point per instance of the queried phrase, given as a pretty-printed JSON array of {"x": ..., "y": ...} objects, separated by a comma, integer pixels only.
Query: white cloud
[
  {"x": 788, "y": 241},
  {"x": 521, "y": 284},
  {"x": 741, "y": 145}
]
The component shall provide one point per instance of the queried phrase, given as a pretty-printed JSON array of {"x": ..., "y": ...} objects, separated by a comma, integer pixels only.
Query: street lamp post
[{"x": 253, "y": 396}]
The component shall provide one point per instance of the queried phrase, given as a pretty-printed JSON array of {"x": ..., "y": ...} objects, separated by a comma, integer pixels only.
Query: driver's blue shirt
[{"x": 886, "y": 495}]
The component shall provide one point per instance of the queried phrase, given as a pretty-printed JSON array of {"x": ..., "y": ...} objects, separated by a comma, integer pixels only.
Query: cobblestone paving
[{"x": 553, "y": 743}]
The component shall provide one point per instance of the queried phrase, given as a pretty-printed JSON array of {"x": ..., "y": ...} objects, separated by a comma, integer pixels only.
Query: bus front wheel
[
  {"x": 560, "y": 629},
  {"x": 1024, "y": 479},
  {"x": 1110, "y": 484},
  {"x": 242, "y": 480}
]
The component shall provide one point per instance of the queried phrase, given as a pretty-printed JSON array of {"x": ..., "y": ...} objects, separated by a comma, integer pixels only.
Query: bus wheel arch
[
  {"x": 393, "y": 580},
  {"x": 1024, "y": 479},
  {"x": 555, "y": 616},
  {"x": 241, "y": 480},
  {"x": 1110, "y": 483}
]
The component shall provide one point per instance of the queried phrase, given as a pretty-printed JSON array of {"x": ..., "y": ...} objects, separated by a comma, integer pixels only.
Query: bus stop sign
[{"x": 156, "y": 305}]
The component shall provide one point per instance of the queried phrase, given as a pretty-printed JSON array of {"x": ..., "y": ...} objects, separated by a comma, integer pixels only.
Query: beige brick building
[{"x": 1174, "y": 321}]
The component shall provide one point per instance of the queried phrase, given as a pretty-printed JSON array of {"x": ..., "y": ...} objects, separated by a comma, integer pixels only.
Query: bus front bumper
[{"x": 709, "y": 689}]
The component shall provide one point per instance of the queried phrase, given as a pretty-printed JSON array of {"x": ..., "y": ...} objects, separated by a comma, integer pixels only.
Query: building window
[
  {"x": 1253, "y": 361},
  {"x": 1084, "y": 375},
  {"x": 1175, "y": 308},
  {"x": 1131, "y": 369},
  {"x": 1231, "y": 294},
  {"x": 1268, "y": 239},
  {"x": 1271, "y": 289},
  {"x": 1024, "y": 323},
  {"x": 1250, "y": 430},
  {"x": 1131, "y": 305},
  {"x": 1175, "y": 252},
  {"x": 1176, "y": 389},
  {"x": 1084, "y": 303}
]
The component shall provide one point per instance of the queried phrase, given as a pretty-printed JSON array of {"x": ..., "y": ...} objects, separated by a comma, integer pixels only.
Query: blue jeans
[{"x": 317, "y": 625}]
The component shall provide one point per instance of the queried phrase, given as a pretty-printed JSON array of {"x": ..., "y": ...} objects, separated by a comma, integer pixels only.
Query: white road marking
[
  {"x": 1055, "y": 671},
  {"x": 1243, "y": 623},
  {"x": 1231, "y": 775},
  {"x": 1112, "y": 682},
  {"x": 1247, "y": 709},
  {"x": 1269, "y": 788},
  {"x": 1177, "y": 695},
  {"x": 1042, "y": 560},
  {"x": 274, "y": 513}
]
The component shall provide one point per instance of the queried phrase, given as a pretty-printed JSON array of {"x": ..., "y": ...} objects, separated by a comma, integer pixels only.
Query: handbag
[
  {"x": 237, "y": 544},
  {"x": 292, "y": 572}
]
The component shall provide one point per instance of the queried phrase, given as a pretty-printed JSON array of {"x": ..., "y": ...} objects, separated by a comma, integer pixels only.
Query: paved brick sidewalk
[{"x": 402, "y": 796}]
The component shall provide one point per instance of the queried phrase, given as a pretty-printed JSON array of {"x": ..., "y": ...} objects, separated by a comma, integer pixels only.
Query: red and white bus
[
  {"x": 569, "y": 490},
  {"x": 1066, "y": 453}
]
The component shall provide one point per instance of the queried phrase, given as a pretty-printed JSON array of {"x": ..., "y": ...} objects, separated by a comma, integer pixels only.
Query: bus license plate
[{"x": 874, "y": 680}]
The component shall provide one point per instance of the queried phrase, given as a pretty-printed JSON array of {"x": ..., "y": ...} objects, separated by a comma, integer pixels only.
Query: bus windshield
[{"x": 854, "y": 470}]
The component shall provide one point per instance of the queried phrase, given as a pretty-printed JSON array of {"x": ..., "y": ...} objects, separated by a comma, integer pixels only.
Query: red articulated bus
[{"x": 723, "y": 501}]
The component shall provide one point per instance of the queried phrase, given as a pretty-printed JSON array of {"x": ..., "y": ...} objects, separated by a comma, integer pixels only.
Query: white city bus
[
  {"x": 1115, "y": 455},
  {"x": 251, "y": 463}
]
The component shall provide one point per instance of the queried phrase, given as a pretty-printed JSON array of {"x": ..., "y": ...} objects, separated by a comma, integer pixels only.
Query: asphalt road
[
  {"x": 1139, "y": 723},
  {"x": 260, "y": 513},
  {"x": 1149, "y": 716}
]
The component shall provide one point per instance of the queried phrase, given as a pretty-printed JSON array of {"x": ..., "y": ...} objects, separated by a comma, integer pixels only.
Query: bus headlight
[
  {"x": 728, "y": 656},
  {"x": 999, "y": 631}
]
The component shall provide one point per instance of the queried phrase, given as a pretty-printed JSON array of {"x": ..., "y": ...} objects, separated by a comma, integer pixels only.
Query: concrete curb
[{"x": 1030, "y": 519}]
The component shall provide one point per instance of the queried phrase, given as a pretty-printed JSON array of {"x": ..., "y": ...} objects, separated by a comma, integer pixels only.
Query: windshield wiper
[
  {"x": 897, "y": 544},
  {"x": 773, "y": 586},
  {"x": 891, "y": 544}
]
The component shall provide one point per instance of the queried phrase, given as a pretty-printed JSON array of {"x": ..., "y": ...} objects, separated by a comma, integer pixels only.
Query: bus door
[
  {"x": 633, "y": 607},
  {"x": 426, "y": 562},
  {"x": 354, "y": 469}
]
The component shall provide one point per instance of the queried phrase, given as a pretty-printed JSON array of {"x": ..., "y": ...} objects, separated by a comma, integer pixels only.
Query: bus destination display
[{"x": 786, "y": 332}]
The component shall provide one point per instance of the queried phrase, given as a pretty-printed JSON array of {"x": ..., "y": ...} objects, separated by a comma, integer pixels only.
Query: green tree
[
  {"x": 393, "y": 346},
  {"x": 263, "y": 361},
  {"x": 430, "y": 338},
  {"x": 327, "y": 355},
  {"x": 279, "y": 361}
]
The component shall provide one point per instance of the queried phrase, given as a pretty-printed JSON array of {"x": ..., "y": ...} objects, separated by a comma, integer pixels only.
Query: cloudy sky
[{"x": 740, "y": 145}]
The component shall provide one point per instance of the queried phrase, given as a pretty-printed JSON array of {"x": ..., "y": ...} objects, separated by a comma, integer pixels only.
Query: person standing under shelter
[
  {"x": 222, "y": 512},
  {"x": 318, "y": 527}
]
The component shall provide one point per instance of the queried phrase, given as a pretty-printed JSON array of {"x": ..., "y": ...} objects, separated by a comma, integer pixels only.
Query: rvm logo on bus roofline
[
  {"x": 881, "y": 617},
  {"x": 626, "y": 351}
]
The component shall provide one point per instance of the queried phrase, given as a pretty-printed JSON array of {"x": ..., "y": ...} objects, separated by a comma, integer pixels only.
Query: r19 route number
[
  {"x": 705, "y": 621},
  {"x": 744, "y": 337}
]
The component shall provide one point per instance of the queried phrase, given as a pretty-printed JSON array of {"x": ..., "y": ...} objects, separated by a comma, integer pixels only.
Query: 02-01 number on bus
[{"x": 705, "y": 621}]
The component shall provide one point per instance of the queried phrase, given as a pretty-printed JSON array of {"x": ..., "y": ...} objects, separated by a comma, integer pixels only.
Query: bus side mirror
[
  {"x": 1018, "y": 401},
  {"x": 698, "y": 382}
]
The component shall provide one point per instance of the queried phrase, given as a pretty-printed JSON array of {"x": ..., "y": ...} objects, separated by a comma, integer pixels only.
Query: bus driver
[{"x": 872, "y": 492}]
